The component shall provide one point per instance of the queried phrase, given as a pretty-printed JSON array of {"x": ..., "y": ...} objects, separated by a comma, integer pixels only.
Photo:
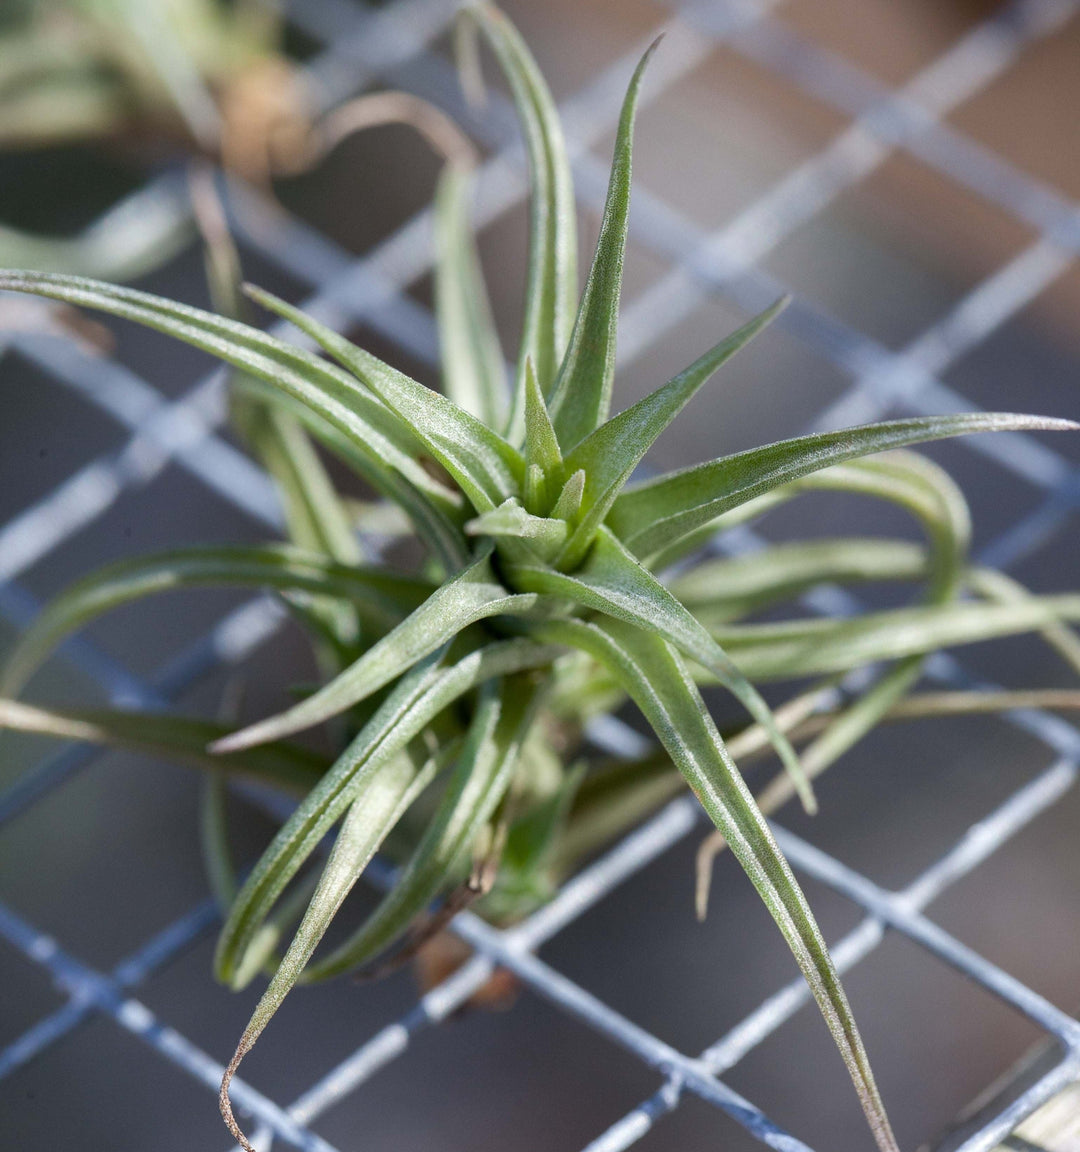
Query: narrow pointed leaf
[
  {"x": 613, "y": 582},
  {"x": 376, "y": 809},
  {"x": 541, "y": 443},
  {"x": 609, "y": 455},
  {"x": 314, "y": 512},
  {"x": 654, "y": 675},
  {"x": 436, "y": 516},
  {"x": 653, "y": 515},
  {"x": 479, "y": 781},
  {"x": 472, "y": 595},
  {"x": 726, "y": 589},
  {"x": 581, "y": 397},
  {"x": 551, "y": 281},
  {"x": 569, "y": 501},
  {"x": 383, "y": 597},
  {"x": 820, "y": 646},
  {"x": 486, "y": 467},
  {"x": 473, "y": 373},
  {"x": 409, "y": 708},
  {"x": 176, "y": 738},
  {"x": 385, "y": 439}
]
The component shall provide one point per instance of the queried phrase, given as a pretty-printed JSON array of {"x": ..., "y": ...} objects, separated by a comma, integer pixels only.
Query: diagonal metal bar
[{"x": 108, "y": 995}]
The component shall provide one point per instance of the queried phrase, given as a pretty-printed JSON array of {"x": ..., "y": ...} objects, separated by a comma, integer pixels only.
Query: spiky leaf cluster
[{"x": 540, "y": 603}]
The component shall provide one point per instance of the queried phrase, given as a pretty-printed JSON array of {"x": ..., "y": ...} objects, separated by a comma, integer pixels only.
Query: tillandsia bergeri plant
[{"x": 553, "y": 590}]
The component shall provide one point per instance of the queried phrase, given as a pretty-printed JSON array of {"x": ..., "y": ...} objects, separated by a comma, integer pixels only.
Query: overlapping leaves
[{"x": 539, "y": 599}]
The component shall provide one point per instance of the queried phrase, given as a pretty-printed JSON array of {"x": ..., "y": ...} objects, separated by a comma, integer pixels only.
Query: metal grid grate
[{"x": 393, "y": 44}]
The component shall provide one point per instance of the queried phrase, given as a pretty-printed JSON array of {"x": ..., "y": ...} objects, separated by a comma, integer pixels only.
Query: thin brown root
[
  {"x": 225, "y": 1104},
  {"x": 437, "y": 129},
  {"x": 422, "y": 932},
  {"x": 710, "y": 848}
]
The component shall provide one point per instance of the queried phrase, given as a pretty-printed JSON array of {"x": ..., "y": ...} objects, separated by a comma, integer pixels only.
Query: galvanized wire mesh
[{"x": 392, "y": 44}]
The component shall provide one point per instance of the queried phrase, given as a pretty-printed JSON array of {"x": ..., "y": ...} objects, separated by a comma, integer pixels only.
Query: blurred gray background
[{"x": 113, "y": 856}]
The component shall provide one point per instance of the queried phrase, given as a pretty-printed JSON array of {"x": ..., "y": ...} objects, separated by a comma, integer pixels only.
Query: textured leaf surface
[
  {"x": 486, "y": 467},
  {"x": 335, "y": 395},
  {"x": 551, "y": 280},
  {"x": 613, "y": 582},
  {"x": 479, "y": 780},
  {"x": 724, "y": 589},
  {"x": 655, "y": 514},
  {"x": 472, "y": 361},
  {"x": 610, "y": 454},
  {"x": 581, "y": 398},
  {"x": 172, "y": 738},
  {"x": 412, "y": 705},
  {"x": 472, "y": 595},
  {"x": 382, "y": 596},
  {"x": 654, "y": 675},
  {"x": 813, "y": 647}
]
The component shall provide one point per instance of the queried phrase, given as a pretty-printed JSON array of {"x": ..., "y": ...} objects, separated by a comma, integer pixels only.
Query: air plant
[{"x": 545, "y": 599}]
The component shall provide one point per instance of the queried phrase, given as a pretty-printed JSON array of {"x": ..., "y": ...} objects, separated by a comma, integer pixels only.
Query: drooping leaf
[
  {"x": 727, "y": 588},
  {"x": 654, "y": 675},
  {"x": 813, "y": 647},
  {"x": 472, "y": 595},
  {"x": 381, "y": 596},
  {"x": 928, "y": 493},
  {"x": 551, "y": 280},
  {"x": 1001, "y": 587},
  {"x": 385, "y": 439},
  {"x": 613, "y": 582},
  {"x": 581, "y": 397},
  {"x": 410, "y": 707},
  {"x": 377, "y": 807},
  {"x": 653, "y": 515},
  {"x": 610, "y": 454},
  {"x": 178, "y": 738},
  {"x": 487, "y": 468},
  {"x": 479, "y": 780},
  {"x": 472, "y": 361}
]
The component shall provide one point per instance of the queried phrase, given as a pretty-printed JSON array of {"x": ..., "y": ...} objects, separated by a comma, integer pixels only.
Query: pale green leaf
[
  {"x": 474, "y": 594},
  {"x": 541, "y": 443},
  {"x": 581, "y": 397},
  {"x": 812, "y": 647},
  {"x": 613, "y": 582},
  {"x": 487, "y": 468},
  {"x": 610, "y": 454},
  {"x": 386, "y": 440},
  {"x": 178, "y": 738},
  {"x": 651, "y": 516},
  {"x": 727, "y": 588},
  {"x": 381, "y": 596},
  {"x": 376, "y": 808},
  {"x": 479, "y": 780},
  {"x": 413, "y": 704},
  {"x": 511, "y": 520},
  {"x": 569, "y": 501},
  {"x": 472, "y": 361},
  {"x": 654, "y": 675},
  {"x": 551, "y": 282}
]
